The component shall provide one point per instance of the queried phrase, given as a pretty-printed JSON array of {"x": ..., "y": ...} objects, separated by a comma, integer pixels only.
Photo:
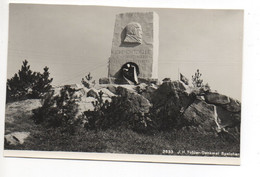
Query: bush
[
  {"x": 122, "y": 112},
  {"x": 28, "y": 84},
  {"x": 196, "y": 79},
  {"x": 42, "y": 84},
  {"x": 59, "y": 110},
  {"x": 87, "y": 81}
]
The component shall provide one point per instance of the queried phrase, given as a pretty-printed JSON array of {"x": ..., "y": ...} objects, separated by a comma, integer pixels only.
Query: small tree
[
  {"x": 87, "y": 81},
  {"x": 59, "y": 110},
  {"x": 196, "y": 79},
  {"x": 20, "y": 85},
  {"x": 42, "y": 84},
  {"x": 28, "y": 84}
]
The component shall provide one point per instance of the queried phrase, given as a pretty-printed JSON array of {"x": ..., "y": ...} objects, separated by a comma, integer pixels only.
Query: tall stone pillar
[{"x": 135, "y": 40}]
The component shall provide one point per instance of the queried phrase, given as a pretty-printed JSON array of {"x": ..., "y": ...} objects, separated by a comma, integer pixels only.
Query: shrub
[
  {"x": 96, "y": 119},
  {"x": 196, "y": 79},
  {"x": 43, "y": 84},
  {"x": 28, "y": 84},
  {"x": 87, "y": 81},
  {"x": 59, "y": 110},
  {"x": 121, "y": 112}
]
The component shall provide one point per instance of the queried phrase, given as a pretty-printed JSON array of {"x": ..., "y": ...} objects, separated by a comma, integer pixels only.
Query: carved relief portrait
[{"x": 133, "y": 33}]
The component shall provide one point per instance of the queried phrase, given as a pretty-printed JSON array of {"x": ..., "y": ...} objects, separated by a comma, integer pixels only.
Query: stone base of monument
[
  {"x": 148, "y": 81},
  {"x": 112, "y": 80}
]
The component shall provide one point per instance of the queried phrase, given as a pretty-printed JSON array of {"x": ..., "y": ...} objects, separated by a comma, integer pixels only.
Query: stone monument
[{"x": 135, "y": 45}]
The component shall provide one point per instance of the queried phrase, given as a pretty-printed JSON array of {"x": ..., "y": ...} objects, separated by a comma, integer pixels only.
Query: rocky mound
[
  {"x": 207, "y": 111},
  {"x": 168, "y": 106},
  {"x": 173, "y": 105}
]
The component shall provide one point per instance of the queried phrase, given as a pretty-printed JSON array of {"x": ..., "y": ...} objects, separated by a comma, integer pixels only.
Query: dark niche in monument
[{"x": 130, "y": 72}]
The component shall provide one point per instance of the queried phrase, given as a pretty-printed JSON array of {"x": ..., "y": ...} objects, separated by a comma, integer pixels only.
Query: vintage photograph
[{"x": 121, "y": 83}]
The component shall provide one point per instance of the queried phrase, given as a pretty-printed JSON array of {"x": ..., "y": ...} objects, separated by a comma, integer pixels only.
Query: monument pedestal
[{"x": 113, "y": 80}]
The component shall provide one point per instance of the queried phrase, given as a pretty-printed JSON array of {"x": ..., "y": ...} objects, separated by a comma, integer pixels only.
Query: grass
[
  {"x": 114, "y": 140},
  {"x": 122, "y": 141}
]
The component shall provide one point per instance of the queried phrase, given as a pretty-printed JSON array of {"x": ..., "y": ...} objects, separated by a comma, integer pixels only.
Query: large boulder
[
  {"x": 202, "y": 115},
  {"x": 85, "y": 105},
  {"x": 174, "y": 92},
  {"x": 212, "y": 118},
  {"x": 228, "y": 119},
  {"x": 148, "y": 81},
  {"x": 140, "y": 88},
  {"x": 216, "y": 98},
  {"x": 106, "y": 92},
  {"x": 16, "y": 138},
  {"x": 148, "y": 92},
  {"x": 86, "y": 102},
  {"x": 137, "y": 103},
  {"x": 112, "y": 88},
  {"x": 126, "y": 110},
  {"x": 14, "y": 109},
  {"x": 92, "y": 93},
  {"x": 234, "y": 106},
  {"x": 229, "y": 124},
  {"x": 169, "y": 102},
  {"x": 104, "y": 80}
]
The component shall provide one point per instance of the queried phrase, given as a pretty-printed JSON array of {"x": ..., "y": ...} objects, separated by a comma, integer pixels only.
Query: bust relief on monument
[{"x": 133, "y": 33}]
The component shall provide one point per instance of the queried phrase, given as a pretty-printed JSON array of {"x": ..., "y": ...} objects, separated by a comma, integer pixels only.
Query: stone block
[
  {"x": 135, "y": 40},
  {"x": 216, "y": 98}
]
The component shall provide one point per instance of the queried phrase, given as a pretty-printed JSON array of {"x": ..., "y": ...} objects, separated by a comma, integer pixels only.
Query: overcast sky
[{"x": 75, "y": 40}]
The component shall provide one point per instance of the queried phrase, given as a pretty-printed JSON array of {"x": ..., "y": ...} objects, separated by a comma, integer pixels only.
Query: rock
[
  {"x": 141, "y": 87},
  {"x": 123, "y": 90},
  {"x": 169, "y": 102},
  {"x": 107, "y": 99},
  {"x": 92, "y": 93},
  {"x": 148, "y": 81},
  {"x": 127, "y": 110},
  {"x": 107, "y": 93},
  {"x": 167, "y": 80},
  {"x": 112, "y": 88},
  {"x": 174, "y": 92},
  {"x": 179, "y": 85},
  {"x": 130, "y": 88},
  {"x": 200, "y": 98},
  {"x": 85, "y": 105},
  {"x": 201, "y": 91},
  {"x": 228, "y": 119},
  {"x": 148, "y": 92},
  {"x": 13, "y": 110},
  {"x": 216, "y": 98},
  {"x": 234, "y": 106},
  {"x": 138, "y": 103},
  {"x": 16, "y": 138},
  {"x": 201, "y": 114},
  {"x": 104, "y": 80}
]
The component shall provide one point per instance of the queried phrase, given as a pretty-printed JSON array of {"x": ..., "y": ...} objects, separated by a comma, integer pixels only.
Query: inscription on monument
[
  {"x": 132, "y": 54},
  {"x": 135, "y": 52}
]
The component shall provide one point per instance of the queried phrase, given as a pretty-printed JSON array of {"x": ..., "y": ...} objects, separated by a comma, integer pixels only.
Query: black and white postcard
[{"x": 124, "y": 84}]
